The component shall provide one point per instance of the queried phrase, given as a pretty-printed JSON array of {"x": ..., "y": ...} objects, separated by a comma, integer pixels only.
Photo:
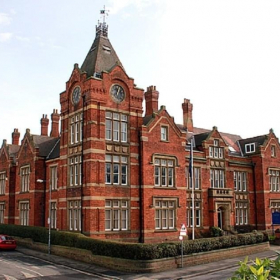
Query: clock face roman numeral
[
  {"x": 76, "y": 95},
  {"x": 117, "y": 92}
]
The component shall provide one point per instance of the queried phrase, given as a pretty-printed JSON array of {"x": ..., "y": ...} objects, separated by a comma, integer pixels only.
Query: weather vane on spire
[
  {"x": 102, "y": 28},
  {"x": 104, "y": 13}
]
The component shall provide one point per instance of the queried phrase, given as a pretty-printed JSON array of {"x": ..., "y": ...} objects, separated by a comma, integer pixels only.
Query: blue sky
[{"x": 222, "y": 55}]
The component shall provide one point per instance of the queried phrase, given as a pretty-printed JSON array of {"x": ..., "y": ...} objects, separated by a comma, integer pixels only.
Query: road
[{"x": 15, "y": 265}]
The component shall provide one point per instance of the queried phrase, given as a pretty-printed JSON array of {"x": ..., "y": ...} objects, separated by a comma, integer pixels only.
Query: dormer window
[
  {"x": 250, "y": 148},
  {"x": 216, "y": 151},
  {"x": 106, "y": 49}
]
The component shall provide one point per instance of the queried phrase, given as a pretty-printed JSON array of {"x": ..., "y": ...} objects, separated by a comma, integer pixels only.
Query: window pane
[
  {"x": 116, "y": 131},
  {"x": 124, "y": 132},
  {"x": 108, "y": 130},
  {"x": 108, "y": 173},
  {"x": 124, "y": 174},
  {"x": 116, "y": 174},
  {"x": 157, "y": 175}
]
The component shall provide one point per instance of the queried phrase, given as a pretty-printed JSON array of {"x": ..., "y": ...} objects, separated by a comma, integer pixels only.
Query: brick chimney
[
  {"x": 44, "y": 125},
  {"x": 15, "y": 137},
  {"x": 151, "y": 98},
  {"x": 55, "y": 123},
  {"x": 187, "y": 114}
]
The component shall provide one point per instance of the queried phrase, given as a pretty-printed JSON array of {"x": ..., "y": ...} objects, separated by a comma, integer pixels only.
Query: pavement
[{"x": 175, "y": 274}]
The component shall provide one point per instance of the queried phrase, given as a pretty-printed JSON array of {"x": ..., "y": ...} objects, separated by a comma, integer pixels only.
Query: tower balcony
[{"x": 220, "y": 192}]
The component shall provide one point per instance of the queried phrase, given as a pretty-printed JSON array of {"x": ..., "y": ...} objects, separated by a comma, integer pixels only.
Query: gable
[
  {"x": 3, "y": 155},
  {"x": 161, "y": 119},
  {"x": 26, "y": 149}
]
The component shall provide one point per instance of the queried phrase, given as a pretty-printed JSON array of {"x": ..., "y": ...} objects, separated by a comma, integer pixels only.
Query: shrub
[
  {"x": 216, "y": 231},
  {"x": 135, "y": 251},
  {"x": 260, "y": 269}
]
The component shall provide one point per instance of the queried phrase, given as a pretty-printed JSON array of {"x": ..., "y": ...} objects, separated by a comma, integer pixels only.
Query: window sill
[
  {"x": 72, "y": 187},
  {"x": 116, "y": 185},
  {"x": 72, "y": 145},
  {"x": 111, "y": 232},
  {"x": 165, "y": 230},
  {"x": 111, "y": 142},
  {"x": 165, "y": 188}
]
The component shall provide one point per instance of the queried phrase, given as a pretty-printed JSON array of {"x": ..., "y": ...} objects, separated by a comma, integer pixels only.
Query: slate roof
[
  {"x": 200, "y": 134},
  {"x": 101, "y": 57},
  {"x": 258, "y": 140},
  {"x": 55, "y": 152},
  {"x": 45, "y": 144},
  {"x": 199, "y": 138},
  {"x": 13, "y": 149}
]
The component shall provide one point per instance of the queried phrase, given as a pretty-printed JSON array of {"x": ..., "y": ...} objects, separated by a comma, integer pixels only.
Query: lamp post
[{"x": 49, "y": 218}]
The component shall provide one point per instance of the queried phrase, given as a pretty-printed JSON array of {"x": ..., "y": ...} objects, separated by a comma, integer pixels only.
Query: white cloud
[
  {"x": 5, "y": 19},
  {"x": 4, "y": 37},
  {"x": 23, "y": 39},
  {"x": 119, "y": 5}
]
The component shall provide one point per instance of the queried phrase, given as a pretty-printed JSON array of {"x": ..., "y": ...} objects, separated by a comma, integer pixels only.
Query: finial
[
  {"x": 104, "y": 13},
  {"x": 102, "y": 28}
]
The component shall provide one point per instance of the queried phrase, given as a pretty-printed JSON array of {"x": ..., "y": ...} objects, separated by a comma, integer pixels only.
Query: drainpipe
[
  {"x": 44, "y": 181},
  {"x": 141, "y": 238},
  {"x": 255, "y": 194},
  {"x": 82, "y": 166}
]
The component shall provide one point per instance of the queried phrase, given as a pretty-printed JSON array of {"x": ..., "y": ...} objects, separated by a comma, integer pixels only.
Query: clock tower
[{"x": 101, "y": 113}]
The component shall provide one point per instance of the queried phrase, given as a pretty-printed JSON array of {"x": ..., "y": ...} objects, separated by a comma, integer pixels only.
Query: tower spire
[{"x": 102, "y": 27}]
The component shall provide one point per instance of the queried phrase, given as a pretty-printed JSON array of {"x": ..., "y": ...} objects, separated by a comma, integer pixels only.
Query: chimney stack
[
  {"x": 151, "y": 97},
  {"x": 44, "y": 125},
  {"x": 187, "y": 115},
  {"x": 55, "y": 123},
  {"x": 15, "y": 137}
]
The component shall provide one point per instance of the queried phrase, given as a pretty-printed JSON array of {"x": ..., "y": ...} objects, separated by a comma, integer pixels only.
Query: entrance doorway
[
  {"x": 223, "y": 215},
  {"x": 221, "y": 219}
]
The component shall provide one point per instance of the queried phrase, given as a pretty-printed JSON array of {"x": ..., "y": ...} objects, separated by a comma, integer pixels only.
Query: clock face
[
  {"x": 117, "y": 92},
  {"x": 76, "y": 95}
]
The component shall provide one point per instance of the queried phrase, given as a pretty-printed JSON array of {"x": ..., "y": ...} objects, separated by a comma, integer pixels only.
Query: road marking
[
  {"x": 22, "y": 267},
  {"x": 143, "y": 278},
  {"x": 27, "y": 275},
  {"x": 35, "y": 267},
  {"x": 97, "y": 274},
  {"x": 8, "y": 277}
]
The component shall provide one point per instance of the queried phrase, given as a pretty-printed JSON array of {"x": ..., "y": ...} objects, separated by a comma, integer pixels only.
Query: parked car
[{"x": 7, "y": 242}]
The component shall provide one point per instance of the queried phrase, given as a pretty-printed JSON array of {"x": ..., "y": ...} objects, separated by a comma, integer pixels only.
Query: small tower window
[
  {"x": 216, "y": 143},
  {"x": 164, "y": 133},
  {"x": 273, "y": 151}
]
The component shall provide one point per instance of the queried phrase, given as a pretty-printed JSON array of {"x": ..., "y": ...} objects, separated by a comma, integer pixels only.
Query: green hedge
[{"x": 135, "y": 251}]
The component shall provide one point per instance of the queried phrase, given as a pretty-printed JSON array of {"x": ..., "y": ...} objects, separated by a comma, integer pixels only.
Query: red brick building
[{"x": 111, "y": 171}]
